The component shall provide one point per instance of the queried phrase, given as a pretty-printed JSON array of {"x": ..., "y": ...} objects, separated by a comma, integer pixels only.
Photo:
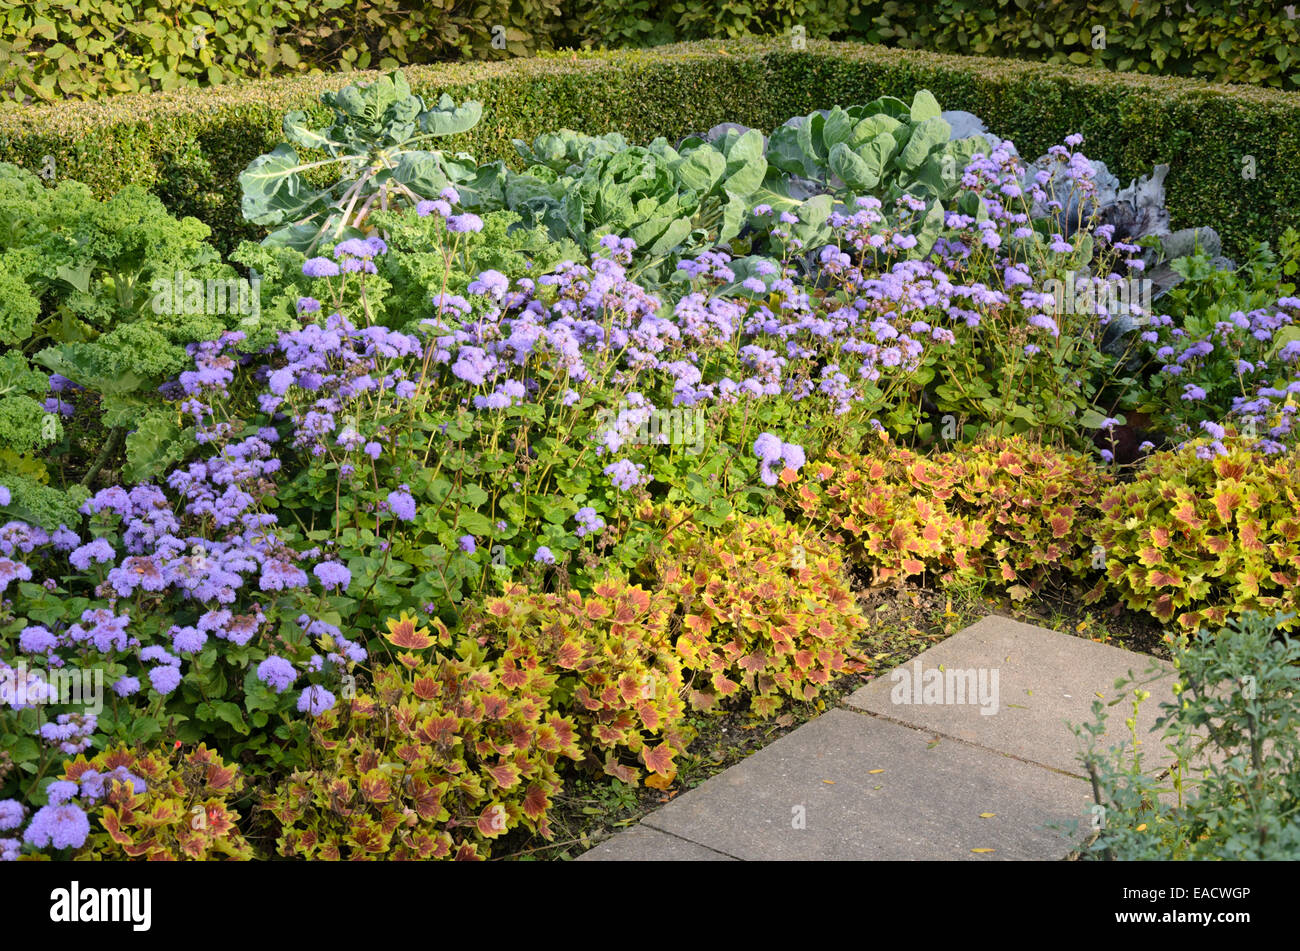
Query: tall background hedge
[
  {"x": 85, "y": 49},
  {"x": 58, "y": 49},
  {"x": 1233, "y": 150},
  {"x": 1236, "y": 41}
]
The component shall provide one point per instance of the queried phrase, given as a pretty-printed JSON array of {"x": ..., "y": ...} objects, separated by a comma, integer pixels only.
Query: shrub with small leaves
[
  {"x": 1204, "y": 532},
  {"x": 764, "y": 609},
  {"x": 1234, "y": 730}
]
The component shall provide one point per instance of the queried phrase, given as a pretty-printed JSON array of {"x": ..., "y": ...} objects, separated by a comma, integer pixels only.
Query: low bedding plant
[{"x": 470, "y": 513}]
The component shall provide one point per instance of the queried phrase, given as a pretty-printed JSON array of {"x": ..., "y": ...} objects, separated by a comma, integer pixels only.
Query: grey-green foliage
[
  {"x": 677, "y": 202},
  {"x": 1234, "y": 731},
  {"x": 670, "y": 202},
  {"x": 673, "y": 202},
  {"x": 376, "y": 143},
  {"x": 885, "y": 149}
]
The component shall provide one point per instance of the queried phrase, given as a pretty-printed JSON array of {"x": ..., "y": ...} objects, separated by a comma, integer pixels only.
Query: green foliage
[
  {"x": 1199, "y": 536},
  {"x": 1248, "y": 42},
  {"x": 1234, "y": 730},
  {"x": 191, "y": 149},
  {"x": 375, "y": 141},
  {"x": 670, "y": 203},
  {"x": 91, "y": 298},
  {"x": 1001, "y": 509},
  {"x": 32, "y": 500},
  {"x": 90, "y": 49},
  {"x": 184, "y": 812},
  {"x": 766, "y": 613},
  {"x": 885, "y": 148},
  {"x": 653, "y": 22},
  {"x": 674, "y": 202}
]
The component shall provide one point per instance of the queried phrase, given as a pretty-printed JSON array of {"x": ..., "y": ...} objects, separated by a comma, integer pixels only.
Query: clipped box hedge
[{"x": 190, "y": 146}]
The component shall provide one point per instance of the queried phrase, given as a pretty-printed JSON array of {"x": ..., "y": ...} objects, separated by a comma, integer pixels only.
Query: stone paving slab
[
  {"x": 1043, "y": 678},
  {"x": 644, "y": 844},
  {"x": 866, "y": 788}
]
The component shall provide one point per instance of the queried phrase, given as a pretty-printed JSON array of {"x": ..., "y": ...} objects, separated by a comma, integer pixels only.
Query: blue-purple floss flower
[
  {"x": 315, "y": 700},
  {"x": 332, "y": 575},
  {"x": 402, "y": 505}
]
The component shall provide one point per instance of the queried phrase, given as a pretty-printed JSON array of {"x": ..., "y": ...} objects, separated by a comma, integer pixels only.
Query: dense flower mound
[
  {"x": 612, "y": 652},
  {"x": 1204, "y": 532},
  {"x": 446, "y": 752},
  {"x": 766, "y": 611},
  {"x": 1000, "y": 509}
]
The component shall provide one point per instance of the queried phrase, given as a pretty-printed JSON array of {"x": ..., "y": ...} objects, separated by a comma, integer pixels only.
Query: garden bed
[{"x": 478, "y": 496}]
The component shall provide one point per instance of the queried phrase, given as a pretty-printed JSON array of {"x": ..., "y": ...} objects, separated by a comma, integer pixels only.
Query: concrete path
[{"x": 962, "y": 753}]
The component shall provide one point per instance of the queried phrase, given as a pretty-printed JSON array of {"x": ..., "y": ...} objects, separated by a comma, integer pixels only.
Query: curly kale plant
[
  {"x": 377, "y": 139},
  {"x": 105, "y": 296}
]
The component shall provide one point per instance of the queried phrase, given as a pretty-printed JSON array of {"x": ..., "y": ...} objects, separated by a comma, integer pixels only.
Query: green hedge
[
  {"x": 189, "y": 147},
  {"x": 1238, "y": 41},
  {"x": 83, "y": 49}
]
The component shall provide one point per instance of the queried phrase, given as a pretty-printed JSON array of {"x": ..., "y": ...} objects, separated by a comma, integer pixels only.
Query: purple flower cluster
[
  {"x": 1210, "y": 371},
  {"x": 70, "y": 733},
  {"x": 771, "y": 451},
  {"x": 589, "y": 523}
]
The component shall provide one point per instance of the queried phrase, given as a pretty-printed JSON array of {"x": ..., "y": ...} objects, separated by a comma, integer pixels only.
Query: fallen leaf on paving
[
  {"x": 875, "y": 771},
  {"x": 987, "y": 815},
  {"x": 983, "y": 850}
]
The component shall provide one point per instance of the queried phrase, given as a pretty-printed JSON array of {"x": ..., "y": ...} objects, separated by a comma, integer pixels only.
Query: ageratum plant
[
  {"x": 531, "y": 405},
  {"x": 188, "y": 601},
  {"x": 1229, "y": 356},
  {"x": 350, "y": 471}
]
